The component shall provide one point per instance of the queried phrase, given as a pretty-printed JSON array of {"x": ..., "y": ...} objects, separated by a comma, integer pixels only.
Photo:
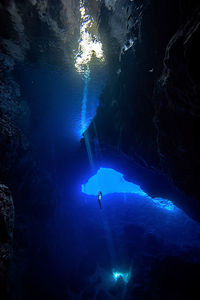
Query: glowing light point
[{"x": 124, "y": 276}]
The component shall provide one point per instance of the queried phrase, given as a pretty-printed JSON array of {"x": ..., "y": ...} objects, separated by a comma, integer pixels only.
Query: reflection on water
[{"x": 89, "y": 44}]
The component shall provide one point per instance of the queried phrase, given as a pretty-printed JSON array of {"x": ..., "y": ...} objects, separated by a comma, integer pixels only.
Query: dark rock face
[
  {"x": 6, "y": 236},
  {"x": 171, "y": 278},
  {"x": 19, "y": 168},
  {"x": 151, "y": 107},
  {"x": 39, "y": 31},
  {"x": 14, "y": 116},
  {"x": 177, "y": 108}
]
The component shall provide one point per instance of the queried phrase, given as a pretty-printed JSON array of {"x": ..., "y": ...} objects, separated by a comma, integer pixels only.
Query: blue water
[
  {"x": 82, "y": 250},
  {"x": 126, "y": 236},
  {"x": 72, "y": 100}
]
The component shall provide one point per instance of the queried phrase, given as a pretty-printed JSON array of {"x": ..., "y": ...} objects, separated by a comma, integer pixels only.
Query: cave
[{"x": 99, "y": 149}]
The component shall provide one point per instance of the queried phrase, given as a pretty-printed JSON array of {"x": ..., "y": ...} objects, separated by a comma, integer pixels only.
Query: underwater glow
[
  {"x": 109, "y": 181},
  {"x": 89, "y": 45},
  {"x": 163, "y": 203},
  {"x": 84, "y": 102},
  {"x": 124, "y": 276}
]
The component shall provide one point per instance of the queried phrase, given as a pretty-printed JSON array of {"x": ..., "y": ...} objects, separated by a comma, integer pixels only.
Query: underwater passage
[{"x": 110, "y": 181}]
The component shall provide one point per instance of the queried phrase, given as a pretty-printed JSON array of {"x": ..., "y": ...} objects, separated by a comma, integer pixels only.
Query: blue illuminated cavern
[{"x": 99, "y": 150}]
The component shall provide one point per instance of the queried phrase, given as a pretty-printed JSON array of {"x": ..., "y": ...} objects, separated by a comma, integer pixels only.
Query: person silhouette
[{"x": 99, "y": 198}]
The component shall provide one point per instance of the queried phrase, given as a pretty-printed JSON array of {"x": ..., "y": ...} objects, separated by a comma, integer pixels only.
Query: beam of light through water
[
  {"x": 109, "y": 181},
  {"x": 89, "y": 151},
  {"x": 84, "y": 102},
  {"x": 89, "y": 46}
]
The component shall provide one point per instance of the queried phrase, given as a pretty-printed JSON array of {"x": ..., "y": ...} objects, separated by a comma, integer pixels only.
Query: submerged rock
[
  {"x": 14, "y": 118},
  {"x": 177, "y": 109},
  {"x": 6, "y": 237}
]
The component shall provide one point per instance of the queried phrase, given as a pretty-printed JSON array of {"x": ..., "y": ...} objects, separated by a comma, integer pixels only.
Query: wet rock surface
[
  {"x": 6, "y": 238},
  {"x": 14, "y": 117},
  {"x": 39, "y": 30},
  {"x": 177, "y": 108},
  {"x": 151, "y": 106},
  {"x": 20, "y": 169}
]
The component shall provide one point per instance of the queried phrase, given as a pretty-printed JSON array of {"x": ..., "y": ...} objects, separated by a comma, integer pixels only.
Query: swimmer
[{"x": 99, "y": 198}]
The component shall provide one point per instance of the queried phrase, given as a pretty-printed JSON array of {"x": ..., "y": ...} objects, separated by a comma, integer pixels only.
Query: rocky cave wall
[
  {"x": 151, "y": 101},
  {"x": 33, "y": 188},
  {"x": 6, "y": 238},
  {"x": 23, "y": 26}
]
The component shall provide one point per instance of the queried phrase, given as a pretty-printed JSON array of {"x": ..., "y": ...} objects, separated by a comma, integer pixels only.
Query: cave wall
[
  {"x": 6, "y": 239},
  {"x": 151, "y": 105},
  {"x": 23, "y": 26},
  {"x": 14, "y": 113},
  {"x": 177, "y": 109}
]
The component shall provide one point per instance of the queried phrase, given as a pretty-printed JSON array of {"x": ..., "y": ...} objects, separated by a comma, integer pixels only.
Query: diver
[{"x": 99, "y": 198}]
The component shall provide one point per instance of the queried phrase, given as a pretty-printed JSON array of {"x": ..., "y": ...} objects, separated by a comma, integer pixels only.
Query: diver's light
[
  {"x": 124, "y": 276},
  {"x": 116, "y": 275}
]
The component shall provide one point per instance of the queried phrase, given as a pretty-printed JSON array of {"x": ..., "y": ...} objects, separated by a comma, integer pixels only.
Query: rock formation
[
  {"x": 6, "y": 238},
  {"x": 151, "y": 106}
]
